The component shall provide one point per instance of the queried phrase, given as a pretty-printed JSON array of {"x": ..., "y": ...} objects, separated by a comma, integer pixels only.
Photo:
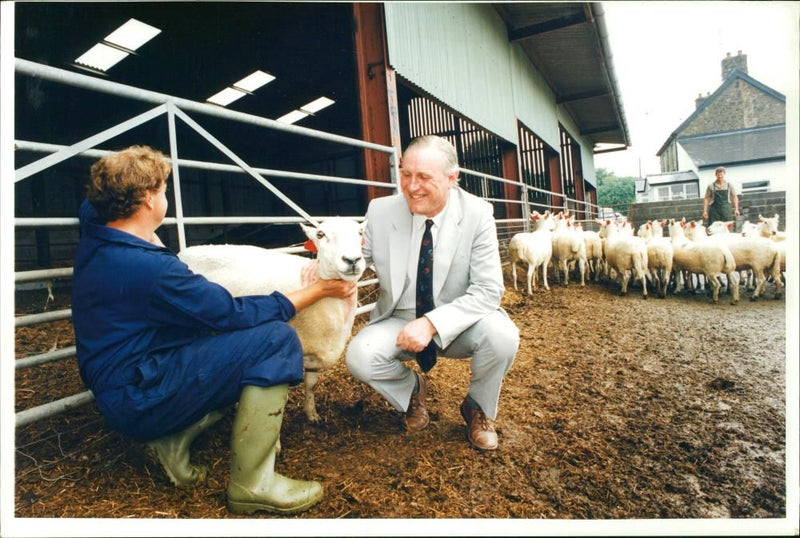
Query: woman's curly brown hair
[{"x": 120, "y": 181}]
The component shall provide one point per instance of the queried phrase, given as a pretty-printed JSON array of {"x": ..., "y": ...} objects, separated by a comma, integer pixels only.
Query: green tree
[
  {"x": 616, "y": 192},
  {"x": 602, "y": 176}
]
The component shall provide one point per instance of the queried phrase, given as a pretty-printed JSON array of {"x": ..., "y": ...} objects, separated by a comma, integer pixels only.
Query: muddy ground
[{"x": 616, "y": 408}]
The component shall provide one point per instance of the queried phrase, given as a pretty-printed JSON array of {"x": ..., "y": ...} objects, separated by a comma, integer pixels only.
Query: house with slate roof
[{"x": 741, "y": 126}]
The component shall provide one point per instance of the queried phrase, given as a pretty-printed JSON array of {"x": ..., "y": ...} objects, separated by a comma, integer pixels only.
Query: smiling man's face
[{"x": 425, "y": 181}]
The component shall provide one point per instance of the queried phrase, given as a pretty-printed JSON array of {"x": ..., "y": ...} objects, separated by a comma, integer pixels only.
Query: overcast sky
[{"x": 665, "y": 53}]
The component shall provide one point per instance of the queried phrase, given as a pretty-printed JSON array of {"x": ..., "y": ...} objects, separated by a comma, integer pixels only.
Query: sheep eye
[{"x": 320, "y": 234}]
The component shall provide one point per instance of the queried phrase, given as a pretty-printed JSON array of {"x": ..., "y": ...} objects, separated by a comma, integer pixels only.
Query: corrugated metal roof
[
  {"x": 567, "y": 42},
  {"x": 760, "y": 144}
]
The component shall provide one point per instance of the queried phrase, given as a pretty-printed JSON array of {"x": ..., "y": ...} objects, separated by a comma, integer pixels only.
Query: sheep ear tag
[{"x": 310, "y": 246}]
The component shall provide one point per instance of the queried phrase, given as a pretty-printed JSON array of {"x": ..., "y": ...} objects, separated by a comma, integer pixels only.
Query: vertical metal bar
[{"x": 176, "y": 176}]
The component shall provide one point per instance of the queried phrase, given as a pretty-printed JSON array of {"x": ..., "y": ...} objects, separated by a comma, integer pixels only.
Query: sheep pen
[{"x": 615, "y": 408}]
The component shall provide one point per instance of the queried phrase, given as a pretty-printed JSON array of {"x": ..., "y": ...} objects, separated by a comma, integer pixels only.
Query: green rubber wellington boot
[
  {"x": 254, "y": 484},
  {"x": 172, "y": 452}
]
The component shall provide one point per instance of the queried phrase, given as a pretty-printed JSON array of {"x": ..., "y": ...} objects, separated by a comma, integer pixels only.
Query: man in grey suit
[{"x": 467, "y": 284}]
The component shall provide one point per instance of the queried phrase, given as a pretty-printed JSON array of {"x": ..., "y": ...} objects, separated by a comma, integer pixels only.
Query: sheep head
[{"x": 338, "y": 242}]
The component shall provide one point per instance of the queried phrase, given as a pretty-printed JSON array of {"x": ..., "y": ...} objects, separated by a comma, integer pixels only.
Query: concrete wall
[{"x": 750, "y": 206}]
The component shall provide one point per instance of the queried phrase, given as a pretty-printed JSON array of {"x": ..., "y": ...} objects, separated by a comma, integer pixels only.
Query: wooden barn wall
[{"x": 459, "y": 54}]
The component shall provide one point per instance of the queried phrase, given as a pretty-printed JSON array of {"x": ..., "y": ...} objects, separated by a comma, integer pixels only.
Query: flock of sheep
[{"x": 689, "y": 254}]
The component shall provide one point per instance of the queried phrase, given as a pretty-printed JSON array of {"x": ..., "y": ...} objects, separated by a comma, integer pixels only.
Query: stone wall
[
  {"x": 751, "y": 205},
  {"x": 740, "y": 106}
]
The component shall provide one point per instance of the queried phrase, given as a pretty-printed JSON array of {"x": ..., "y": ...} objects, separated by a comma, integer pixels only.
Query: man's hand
[{"x": 416, "y": 335}]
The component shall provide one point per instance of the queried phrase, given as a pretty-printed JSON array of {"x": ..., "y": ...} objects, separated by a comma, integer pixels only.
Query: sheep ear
[{"x": 310, "y": 231}]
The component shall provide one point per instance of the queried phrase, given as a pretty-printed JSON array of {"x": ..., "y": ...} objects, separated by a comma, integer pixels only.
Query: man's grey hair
[
  {"x": 720, "y": 169},
  {"x": 447, "y": 150}
]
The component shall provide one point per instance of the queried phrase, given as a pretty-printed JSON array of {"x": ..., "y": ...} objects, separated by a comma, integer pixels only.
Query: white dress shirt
[{"x": 408, "y": 300}]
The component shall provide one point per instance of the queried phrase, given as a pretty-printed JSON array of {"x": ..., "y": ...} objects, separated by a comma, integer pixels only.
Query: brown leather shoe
[
  {"x": 480, "y": 429},
  {"x": 416, "y": 418}
]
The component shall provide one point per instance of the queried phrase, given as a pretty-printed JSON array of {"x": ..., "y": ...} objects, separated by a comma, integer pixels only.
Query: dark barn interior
[{"x": 201, "y": 49}]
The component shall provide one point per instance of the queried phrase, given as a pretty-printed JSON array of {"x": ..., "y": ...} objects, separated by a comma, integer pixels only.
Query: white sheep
[
  {"x": 624, "y": 253},
  {"x": 706, "y": 258},
  {"x": 568, "y": 246},
  {"x": 659, "y": 254},
  {"x": 594, "y": 251},
  {"x": 534, "y": 248},
  {"x": 323, "y": 327},
  {"x": 770, "y": 228},
  {"x": 759, "y": 255}
]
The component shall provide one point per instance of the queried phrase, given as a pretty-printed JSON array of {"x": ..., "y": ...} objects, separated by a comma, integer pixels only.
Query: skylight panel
[
  {"x": 226, "y": 96},
  {"x": 317, "y": 105},
  {"x": 254, "y": 81},
  {"x": 132, "y": 35},
  {"x": 101, "y": 57},
  {"x": 293, "y": 116}
]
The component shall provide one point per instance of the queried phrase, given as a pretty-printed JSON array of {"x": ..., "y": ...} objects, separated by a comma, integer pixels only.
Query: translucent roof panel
[
  {"x": 226, "y": 96},
  {"x": 317, "y": 105},
  {"x": 101, "y": 57},
  {"x": 133, "y": 34},
  {"x": 293, "y": 116},
  {"x": 254, "y": 81}
]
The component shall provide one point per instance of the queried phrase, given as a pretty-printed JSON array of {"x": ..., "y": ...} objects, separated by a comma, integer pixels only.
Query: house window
[
  {"x": 755, "y": 186},
  {"x": 679, "y": 191}
]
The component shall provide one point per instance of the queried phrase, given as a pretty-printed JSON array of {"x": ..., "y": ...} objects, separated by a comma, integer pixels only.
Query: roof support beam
[
  {"x": 583, "y": 95},
  {"x": 601, "y": 129},
  {"x": 547, "y": 26}
]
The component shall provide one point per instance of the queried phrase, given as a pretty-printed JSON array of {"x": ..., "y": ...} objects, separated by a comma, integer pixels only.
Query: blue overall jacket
[{"x": 159, "y": 345}]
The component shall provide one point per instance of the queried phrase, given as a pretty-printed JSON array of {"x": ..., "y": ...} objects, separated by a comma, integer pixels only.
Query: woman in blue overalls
[
  {"x": 719, "y": 197},
  {"x": 165, "y": 351}
]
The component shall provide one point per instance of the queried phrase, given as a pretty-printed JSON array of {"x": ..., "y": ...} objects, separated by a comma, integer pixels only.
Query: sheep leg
[
  {"x": 625, "y": 277},
  {"x": 733, "y": 280},
  {"x": 776, "y": 277},
  {"x": 641, "y": 274},
  {"x": 514, "y": 274},
  {"x": 531, "y": 277},
  {"x": 582, "y": 269},
  {"x": 544, "y": 274},
  {"x": 564, "y": 264},
  {"x": 715, "y": 286},
  {"x": 310, "y": 378},
  {"x": 760, "y": 283}
]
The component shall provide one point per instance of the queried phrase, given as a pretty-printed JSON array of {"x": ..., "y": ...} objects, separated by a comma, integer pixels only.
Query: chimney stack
[
  {"x": 732, "y": 63},
  {"x": 699, "y": 101}
]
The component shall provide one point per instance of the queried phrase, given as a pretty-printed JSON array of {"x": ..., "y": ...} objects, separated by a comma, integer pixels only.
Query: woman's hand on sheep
[
  {"x": 416, "y": 335},
  {"x": 341, "y": 289},
  {"x": 320, "y": 289}
]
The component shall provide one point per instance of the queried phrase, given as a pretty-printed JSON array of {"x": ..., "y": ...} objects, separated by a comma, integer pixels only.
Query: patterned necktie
[{"x": 427, "y": 357}]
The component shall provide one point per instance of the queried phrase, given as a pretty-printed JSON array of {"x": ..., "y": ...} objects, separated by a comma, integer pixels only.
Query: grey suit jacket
[{"x": 467, "y": 274}]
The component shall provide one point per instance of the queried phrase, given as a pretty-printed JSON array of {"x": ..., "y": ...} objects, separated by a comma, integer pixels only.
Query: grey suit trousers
[{"x": 492, "y": 342}]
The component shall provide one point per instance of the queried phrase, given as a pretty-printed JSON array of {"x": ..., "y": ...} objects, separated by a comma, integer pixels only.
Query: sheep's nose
[{"x": 351, "y": 261}]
